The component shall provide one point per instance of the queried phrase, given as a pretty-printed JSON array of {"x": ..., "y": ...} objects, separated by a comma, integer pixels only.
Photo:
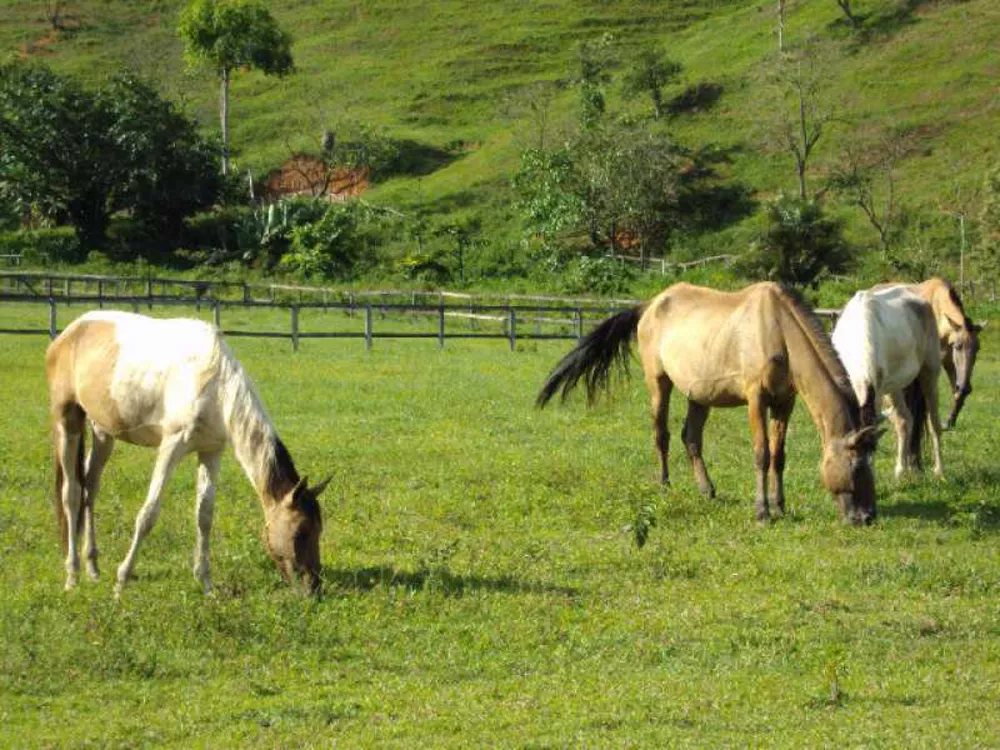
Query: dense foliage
[{"x": 79, "y": 156}]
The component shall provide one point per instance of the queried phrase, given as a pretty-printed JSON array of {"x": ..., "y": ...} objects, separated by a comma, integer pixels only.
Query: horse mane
[
  {"x": 819, "y": 338},
  {"x": 957, "y": 302},
  {"x": 255, "y": 439}
]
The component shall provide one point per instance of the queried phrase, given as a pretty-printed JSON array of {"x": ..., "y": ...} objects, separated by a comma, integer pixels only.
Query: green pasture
[{"x": 480, "y": 586}]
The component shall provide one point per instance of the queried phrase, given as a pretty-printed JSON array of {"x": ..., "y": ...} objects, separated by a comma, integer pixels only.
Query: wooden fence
[{"x": 511, "y": 323}]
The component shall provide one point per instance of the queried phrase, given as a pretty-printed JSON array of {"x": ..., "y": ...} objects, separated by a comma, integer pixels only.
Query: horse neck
[
  {"x": 255, "y": 439},
  {"x": 819, "y": 377}
]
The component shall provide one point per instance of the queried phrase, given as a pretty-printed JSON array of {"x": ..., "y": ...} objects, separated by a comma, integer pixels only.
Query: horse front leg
[
  {"x": 691, "y": 436},
  {"x": 172, "y": 449},
  {"x": 660, "y": 386},
  {"x": 208, "y": 472},
  {"x": 761, "y": 452},
  {"x": 97, "y": 459},
  {"x": 780, "y": 415}
]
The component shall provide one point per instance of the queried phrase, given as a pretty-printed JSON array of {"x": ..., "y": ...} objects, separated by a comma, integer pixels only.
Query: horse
[
  {"x": 887, "y": 339},
  {"x": 959, "y": 338},
  {"x": 174, "y": 385},
  {"x": 760, "y": 347}
]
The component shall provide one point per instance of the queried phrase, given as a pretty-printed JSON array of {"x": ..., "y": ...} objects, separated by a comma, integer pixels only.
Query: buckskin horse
[
  {"x": 759, "y": 346},
  {"x": 176, "y": 386}
]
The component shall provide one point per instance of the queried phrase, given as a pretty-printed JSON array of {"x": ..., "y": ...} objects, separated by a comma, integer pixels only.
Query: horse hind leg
[
  {"x": 659, "y": 387},
  {"x": 902, "y": 421},
  {"x": 757, "y": 409},
  {"x": 928, "y": 378},
  {"x": 97, "y": 459},
  {"x": 69, "y": 425},
  {"x": 779, "y": 430},
  {"x": 691, "y": 435}
]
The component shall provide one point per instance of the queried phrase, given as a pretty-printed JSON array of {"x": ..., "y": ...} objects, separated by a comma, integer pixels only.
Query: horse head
[
  {"x": 961, "y": 351},
  {"x": 294, "y": 524},
  {"x": 846, "y": 471}
]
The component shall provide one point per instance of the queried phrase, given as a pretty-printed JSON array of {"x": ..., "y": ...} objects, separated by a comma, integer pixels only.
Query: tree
[
  {"x": 867, "y": 178},
  {"x": 168, "y": 169},
  {"x": 57, "y": 155},
  {"x": 234, "y": 34},
  {"x": 79, "y": 156},
  {"x": 597, "y": 57},
  {"x": 650, "y": 72},
  {"x": 799, "y": 244},
  {"x": 989, "y": 217},
  {"x": 845, "y": 6},
  {"x": 797, "y": 109}
]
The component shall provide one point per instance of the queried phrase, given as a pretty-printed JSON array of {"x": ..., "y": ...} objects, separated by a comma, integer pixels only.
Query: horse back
[
  {"x": 714, "y": 346},
  {"x": 135, "y": 377}
]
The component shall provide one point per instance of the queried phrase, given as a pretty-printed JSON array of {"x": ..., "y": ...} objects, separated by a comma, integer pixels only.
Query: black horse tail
[
  {"x": 914, "y": 398},
  {"x": 594, "y": 357}
]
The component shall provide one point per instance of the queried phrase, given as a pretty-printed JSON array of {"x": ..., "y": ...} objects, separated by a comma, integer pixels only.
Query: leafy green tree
[
  {"x": 168, "y": 168},
  {"x": 234, "y": 34},
  {"x": 650, "y": 72},
  {"x": 597, "y": 57},
  {"x": 800, "y": 245},
  {"x": 79, "y": 156},
  {"x": 58, "y": 157}
]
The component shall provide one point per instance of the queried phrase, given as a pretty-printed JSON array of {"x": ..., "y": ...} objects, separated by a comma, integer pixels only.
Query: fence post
[
  {"x": 579, "y": 323},
  {"x": 295, "y": 327},
  {"x": 52, "y": 317},
  {"x": 215, "y": 314},
  {"x": 68, "y": 289},
  {"x": 100, "y": 294},
  {"x": 441, "y": 323},
  {"x": 512, "y": 327},
  {"x": 368, "y": 326},
  {"x": 149, "y": 293},
  {"x": 246, "y": 292}
]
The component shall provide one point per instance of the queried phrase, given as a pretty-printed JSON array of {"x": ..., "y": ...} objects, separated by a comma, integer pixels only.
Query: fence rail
[{"x": 513, "y": 322}]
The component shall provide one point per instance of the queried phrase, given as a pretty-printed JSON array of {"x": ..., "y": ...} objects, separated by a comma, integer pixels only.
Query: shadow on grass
[
  {"x": 982, "y": 513},
  {"x": 415, "y": 159},
  {"x": 699, "y": 97},
  {"x": 444, "y": 581}
]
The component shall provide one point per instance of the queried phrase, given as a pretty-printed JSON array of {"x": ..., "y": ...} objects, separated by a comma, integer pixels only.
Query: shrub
[
  {"x": 799, "y": 244},
  {"x": 42, "y": 247}
]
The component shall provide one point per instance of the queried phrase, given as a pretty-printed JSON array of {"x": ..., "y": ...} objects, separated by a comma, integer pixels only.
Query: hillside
[{"x": 449, "y": 82}]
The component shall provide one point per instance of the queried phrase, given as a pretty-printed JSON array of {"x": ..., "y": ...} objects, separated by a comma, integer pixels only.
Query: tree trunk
[
  {"x": 781, "y": 26},
  {"x": 224, "y": 116}
]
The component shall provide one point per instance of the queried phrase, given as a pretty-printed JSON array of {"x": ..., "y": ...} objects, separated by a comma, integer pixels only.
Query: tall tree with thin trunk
[
  {"x": 797, "y": 107},
  {"x": 234, "y": 34}
]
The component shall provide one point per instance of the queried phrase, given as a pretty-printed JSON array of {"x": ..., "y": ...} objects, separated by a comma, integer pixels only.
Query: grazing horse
[
  {"x": 887, "y": 338},
  {"x": 176, "y": 386},
  {"x": 959, "y": 338},
  {"x": 759, "y": 347}
]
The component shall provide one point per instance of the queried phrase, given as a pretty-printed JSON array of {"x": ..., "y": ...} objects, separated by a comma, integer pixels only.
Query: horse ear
[
  {"x": 866, "y": 438},
  {"x": 299, "y": 486},
  {"x": 321, "y": 486}
]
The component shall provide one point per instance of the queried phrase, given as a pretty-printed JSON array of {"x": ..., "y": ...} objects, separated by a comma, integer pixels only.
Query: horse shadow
[
  {"x": 440, "y": 580},
  {"x": 953, "y": 508}
]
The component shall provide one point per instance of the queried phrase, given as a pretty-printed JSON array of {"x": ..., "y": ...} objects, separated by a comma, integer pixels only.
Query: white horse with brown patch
[
  {"x": 887, "y": 339},
  {"x": 176, "y": 386}
]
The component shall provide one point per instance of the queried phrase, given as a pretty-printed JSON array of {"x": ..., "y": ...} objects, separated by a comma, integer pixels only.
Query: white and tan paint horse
[
  {"x": 760, "y": 347},
  {"x": 887, "y": 339},
  {"x": 176, "y": 386}
]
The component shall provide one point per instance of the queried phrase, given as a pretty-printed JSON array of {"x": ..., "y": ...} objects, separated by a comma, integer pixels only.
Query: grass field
[{"x": 480, "y": 588}]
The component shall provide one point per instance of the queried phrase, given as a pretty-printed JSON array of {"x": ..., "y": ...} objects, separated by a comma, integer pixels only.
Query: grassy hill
[{"x": 449, "y": 82}]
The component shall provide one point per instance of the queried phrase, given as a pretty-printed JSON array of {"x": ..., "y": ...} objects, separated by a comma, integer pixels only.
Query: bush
[
  {"x": 799, "y": 245},
  {"x": 43, "y": 247},
  {"x": 587, "y": 275}
]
